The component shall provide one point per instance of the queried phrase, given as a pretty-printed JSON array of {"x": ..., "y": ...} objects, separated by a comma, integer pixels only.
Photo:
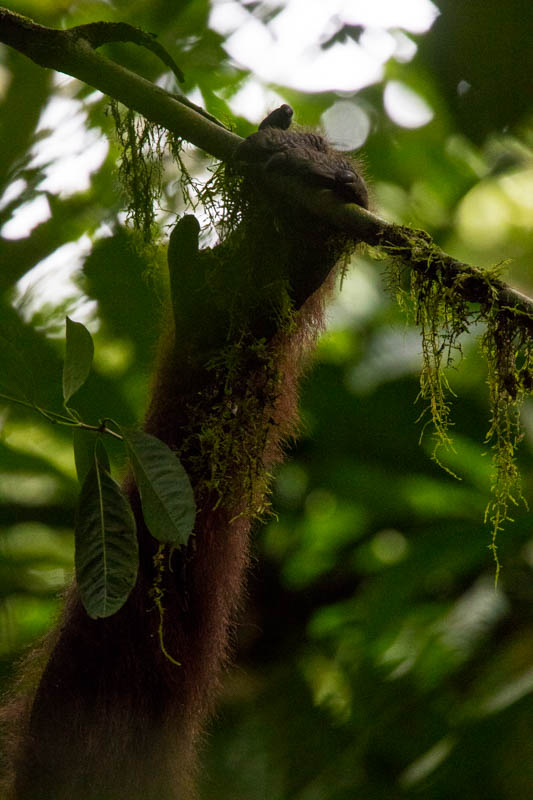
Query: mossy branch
[
  {"x": 73, "y": 52},
  {"x": 446, "y": 294}
]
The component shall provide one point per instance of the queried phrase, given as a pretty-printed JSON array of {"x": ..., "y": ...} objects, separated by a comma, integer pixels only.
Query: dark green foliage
[
  {"x": 360, "y": 652},
  {"x": 106, "y": 552},
  {"x": 166, "y": 493},
  {"x": 116, "y": 269},
  {"x": 86, "y": 445},
  {"x": 106, "y": 544},
  {"x": 16, "y": 377},
  {"x": 78, "y": 358}
]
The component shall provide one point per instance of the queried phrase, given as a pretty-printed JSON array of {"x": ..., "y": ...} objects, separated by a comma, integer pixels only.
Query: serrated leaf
[
  {"x": 166, "y": 493},
  {"x": 106, "y": 555},
  {"x": 78, "y": 358},
  {"x": 86, "y": 444}
]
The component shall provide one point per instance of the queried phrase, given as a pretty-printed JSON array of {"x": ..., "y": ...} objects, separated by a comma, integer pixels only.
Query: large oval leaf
[
  {"x": 106, "y": 555},
  {"x": 78, "y": 358},
  {"x": 166, "y": 493},
  {"x": 86, "y": 444}
]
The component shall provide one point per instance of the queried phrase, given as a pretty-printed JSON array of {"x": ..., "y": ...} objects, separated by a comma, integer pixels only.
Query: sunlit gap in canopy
[
  {"x": 312, "y": 46},
  {"x": 67, "y": 152},
  {"x": 289, "y": 49},
  {"x": 312, "y": 57}
]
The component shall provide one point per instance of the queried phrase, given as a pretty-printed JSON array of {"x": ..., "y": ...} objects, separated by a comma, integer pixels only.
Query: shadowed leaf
[
  {"x": 106, "y": 544},
  {"x": 166, "y": 493},
  {"x": 78, "y": 358}
]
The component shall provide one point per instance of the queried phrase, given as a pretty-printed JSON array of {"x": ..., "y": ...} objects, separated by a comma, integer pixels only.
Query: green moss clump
[
  {"x": 235, "y": 422},
  {"x": 143, "y": 145},
  {"x": 509, "y": 356},
  {"x": 436, "y": 301}
]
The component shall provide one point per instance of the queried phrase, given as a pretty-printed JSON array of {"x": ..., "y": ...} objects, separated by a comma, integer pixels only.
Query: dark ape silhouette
[{"x": 111, "y": 718}]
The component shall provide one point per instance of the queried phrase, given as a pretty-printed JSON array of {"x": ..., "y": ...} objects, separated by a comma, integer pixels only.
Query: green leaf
[
  {"x": 78, "y": 358},
  {"x": 106, "y": 544},
  {"x": 166, "y": 493},
  {"x": 86, "y": 444}
]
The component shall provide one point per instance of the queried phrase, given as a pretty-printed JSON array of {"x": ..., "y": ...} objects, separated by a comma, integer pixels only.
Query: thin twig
[{"x": 60, "y": 419}]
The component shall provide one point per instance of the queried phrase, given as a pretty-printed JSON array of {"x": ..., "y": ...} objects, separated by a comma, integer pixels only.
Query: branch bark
[{"x": 72, "y": 52}]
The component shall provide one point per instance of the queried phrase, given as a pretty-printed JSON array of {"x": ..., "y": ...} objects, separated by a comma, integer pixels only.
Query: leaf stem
[{"x": 60, "y": 419}]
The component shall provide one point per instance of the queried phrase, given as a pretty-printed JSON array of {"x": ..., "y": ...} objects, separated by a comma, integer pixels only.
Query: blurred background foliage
[{"x": 374, "y": 658}]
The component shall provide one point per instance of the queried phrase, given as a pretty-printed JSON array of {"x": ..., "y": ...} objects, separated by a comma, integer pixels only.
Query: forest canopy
[{"x": 372, "y": 610}]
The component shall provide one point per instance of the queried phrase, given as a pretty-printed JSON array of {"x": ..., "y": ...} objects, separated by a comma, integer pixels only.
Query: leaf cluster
[{"x": 106, "y": 550}]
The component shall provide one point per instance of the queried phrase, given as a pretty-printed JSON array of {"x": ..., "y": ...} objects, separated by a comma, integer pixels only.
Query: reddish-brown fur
[{"x": 112, "y": 718}]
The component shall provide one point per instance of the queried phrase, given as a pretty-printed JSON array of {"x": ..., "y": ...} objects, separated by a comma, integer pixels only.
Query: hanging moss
[
  {"x": 161, "y": 561},
  {"x": 435, "y": 298},
  {"x": 217, "y": 196},
  {"x": 233, "y": 429},
  {"x": 140, "y": 170},
  {"x": 442, "y": 318},
  {"x": 509, "y": 356}
]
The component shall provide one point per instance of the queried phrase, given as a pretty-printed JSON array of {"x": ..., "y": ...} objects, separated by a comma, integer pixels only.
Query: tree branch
[
  {"x": 72, "y": 52},
  {"x": 99, "y": 33},
  {"x": 414, "y": 247}
]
